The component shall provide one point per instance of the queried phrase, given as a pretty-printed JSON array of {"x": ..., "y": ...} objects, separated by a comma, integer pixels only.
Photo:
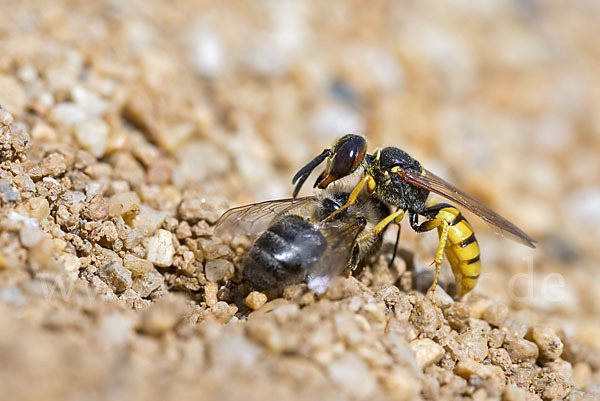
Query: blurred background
[{"x": 501, "y": 98}]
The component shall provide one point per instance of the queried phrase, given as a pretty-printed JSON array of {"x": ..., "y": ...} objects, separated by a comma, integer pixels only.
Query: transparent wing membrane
[{"x": 435, "y": 184}]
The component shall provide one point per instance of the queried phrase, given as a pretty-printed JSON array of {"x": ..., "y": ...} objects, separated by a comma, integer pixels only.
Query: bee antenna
[{"x": 305, "y": 171}]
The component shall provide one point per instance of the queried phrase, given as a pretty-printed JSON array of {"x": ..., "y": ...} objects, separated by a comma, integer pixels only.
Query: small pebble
[
  {"x": 115, "y": 329},
  {"x": 97, "y": 209},
  {"x": 213, "y": 248},
  {"x": 12, "y": 95},
  {"x": 148, "y": 220},
  {"x": 147, "y": 283},
  {"x": 116, "y": 276},
  {"x": 402, "y": 309},
  {"x": 550, "y": 345},
  {"x": 468, "y": 368},
  {"x": 195, "y": 208},
  {"x": 92, "y": 135},
  {"x": 401, "y": 384},
  {"x": 8, "y": 191},
  {"x": 496, "y": 338},
  {"x": 30, "y": 236},
  {"x": 218, "y": 270},
  {"x": 582, "y": 375},
  {"x": 521, "y": 350},
  {"x": 183, "y": 230},
  {"x": 427, "y": 352},
  {"x": 124, "y": 204},
  {"x": 137, "y": 266},
  {"x": 255, "y": 300},
  {"x": 234, "y": 351},
  {"x": 353, "y": 376},
  {"x": 495, "y": 315},
  {"x": 499, "y": 357},
  {"x": 474, "y": 343},
  {"x": 132, "y": 300},
  {"x": 424, "y": 316},
  {"x": 555, "y": 387},
  {"x": 162, "y": 316},
  {"x": 211, "y": 290},
  {"x": 457, "y": 315},
  {"x": 53, "y": 165},
  {"x": 160, "y": 249},
  {"x": 222, "y": 311},
  {"x": 441, "y": 298},
  {"x": 515, "y": 393},
  {"x": 560, "y": 367},
  {"x": 38, "y": 208}
]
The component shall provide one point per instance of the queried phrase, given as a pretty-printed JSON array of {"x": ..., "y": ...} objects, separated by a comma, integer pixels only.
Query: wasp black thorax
[{"x": 392, "y": 188}]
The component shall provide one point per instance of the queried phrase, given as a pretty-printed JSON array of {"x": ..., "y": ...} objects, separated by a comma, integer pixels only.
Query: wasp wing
[
  {"x": 426, "y": 179},
  {"x": 255, "y": 218},
  {"x": 340, "y": 237}
]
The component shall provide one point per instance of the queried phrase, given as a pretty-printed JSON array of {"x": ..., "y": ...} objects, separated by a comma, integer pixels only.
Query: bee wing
[
  {"x": 340, "y": 238},
  {"x": 426, "y": 179},
  {"x": 255, "y": 218}
]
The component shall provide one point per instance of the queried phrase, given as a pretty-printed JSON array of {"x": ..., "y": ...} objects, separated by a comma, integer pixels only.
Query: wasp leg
[
  {"x": 395, "y": 217},
  {"x": 366, "y": 180},
  {"x": 439, "y": 254},
  {"x": 395, "y": 246}
]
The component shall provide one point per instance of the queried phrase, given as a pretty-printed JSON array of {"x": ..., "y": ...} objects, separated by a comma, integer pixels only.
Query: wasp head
[
  {"x": 343, "y": 159},
  {"x": 346, "y": 155}
]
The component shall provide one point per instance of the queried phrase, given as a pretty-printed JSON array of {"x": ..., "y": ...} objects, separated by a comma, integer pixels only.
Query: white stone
[
  {"x": 427, "y": 352},
  {"x": 353, "y": 375},
  {"x": 68, "y": 113},
  {"x": 160, "y": 250},
  {"x": 207, "y": 52},
  {"x": 115, "y": 329},
  {"x": 92, "y": 135},
  {"x": 123, "y": 204},
  {"x": 90, "y": 102},
  {"x": 137, "y": 266},
  {"x": 30, "y": 236}
]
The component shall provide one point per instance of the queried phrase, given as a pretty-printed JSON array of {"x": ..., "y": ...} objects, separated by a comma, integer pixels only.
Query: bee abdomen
[{"x": 280, "y": 256}]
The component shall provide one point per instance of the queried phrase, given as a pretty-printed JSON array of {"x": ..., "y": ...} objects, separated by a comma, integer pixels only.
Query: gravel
[{"x": 124, "y": 137}]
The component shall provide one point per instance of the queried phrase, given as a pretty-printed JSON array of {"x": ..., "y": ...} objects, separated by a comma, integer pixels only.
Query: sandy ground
[{"x": 127, "y": 128}]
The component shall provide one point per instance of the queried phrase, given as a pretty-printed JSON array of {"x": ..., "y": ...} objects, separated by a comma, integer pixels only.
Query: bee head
[{"x": 332, "y": 203}]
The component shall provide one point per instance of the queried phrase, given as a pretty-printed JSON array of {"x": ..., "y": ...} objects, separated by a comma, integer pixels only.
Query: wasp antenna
[
  {"x": 305, "y": 171},
  {"x": 299, "y": 185}
]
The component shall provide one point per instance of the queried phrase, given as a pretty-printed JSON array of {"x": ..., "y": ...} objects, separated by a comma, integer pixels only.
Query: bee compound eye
[{"x": 348, "y": 152}]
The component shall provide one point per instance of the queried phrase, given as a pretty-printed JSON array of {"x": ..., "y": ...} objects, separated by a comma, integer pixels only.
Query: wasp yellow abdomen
[{"x": 458, "y": 241}]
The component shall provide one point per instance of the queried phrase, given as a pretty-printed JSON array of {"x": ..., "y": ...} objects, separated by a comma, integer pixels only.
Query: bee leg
[
  {"x": 353, "y": 264},
  {"x": 366, "y": 180}
]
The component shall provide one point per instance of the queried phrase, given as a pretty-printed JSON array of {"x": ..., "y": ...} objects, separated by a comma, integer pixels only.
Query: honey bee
[
  {"x": 294, "y": 242},
  {"x": 396, "y": 179}
]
